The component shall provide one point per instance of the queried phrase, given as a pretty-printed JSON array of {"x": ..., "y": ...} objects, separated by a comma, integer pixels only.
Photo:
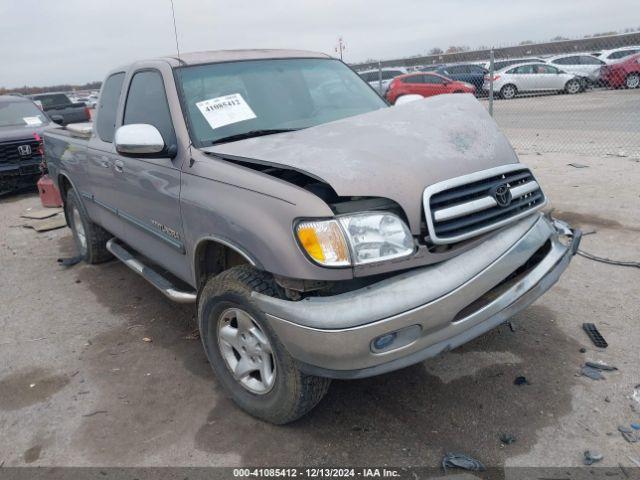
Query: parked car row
[{"x": 567, "y": 73}]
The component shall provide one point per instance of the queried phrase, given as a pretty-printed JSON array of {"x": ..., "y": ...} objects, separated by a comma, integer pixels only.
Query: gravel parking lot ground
[
  {"x": 596, "y": 122},
  {"x": 79, "y": 386}
]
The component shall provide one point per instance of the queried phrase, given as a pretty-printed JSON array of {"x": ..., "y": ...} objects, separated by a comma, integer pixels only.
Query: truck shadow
[{"x": 461, "y": 401}]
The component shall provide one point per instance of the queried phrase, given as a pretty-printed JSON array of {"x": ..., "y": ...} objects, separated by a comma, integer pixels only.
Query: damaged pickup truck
[{"x": 321, "y": 233}]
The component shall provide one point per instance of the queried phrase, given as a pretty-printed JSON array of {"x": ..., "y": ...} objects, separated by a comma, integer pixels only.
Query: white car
[
  {"x": 581, "y": 65},
  {"x": 532, "y": 77},
  {"x": 616, "y": 54},
  {"x": 373, "y": 77}
]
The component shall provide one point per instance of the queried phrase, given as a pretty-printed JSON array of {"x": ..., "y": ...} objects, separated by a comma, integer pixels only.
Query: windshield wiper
[{"x": 251, "y": 134}]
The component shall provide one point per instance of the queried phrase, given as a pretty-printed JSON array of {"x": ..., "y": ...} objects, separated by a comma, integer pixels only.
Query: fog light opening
[{"x": 383, "y": 342}]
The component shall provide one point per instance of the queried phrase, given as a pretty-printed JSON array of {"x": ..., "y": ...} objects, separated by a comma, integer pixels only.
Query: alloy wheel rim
[
  {"x": 573, "y": 87},
  {"x": 633, "y": 81},
  {"x": 246, "y": 351},
  {"x": 509, "y": 92},
  {"x": 79, "y": 229}
]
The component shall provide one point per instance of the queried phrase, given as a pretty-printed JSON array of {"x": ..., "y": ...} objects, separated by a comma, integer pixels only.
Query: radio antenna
[{"x": 175, "y": 30}]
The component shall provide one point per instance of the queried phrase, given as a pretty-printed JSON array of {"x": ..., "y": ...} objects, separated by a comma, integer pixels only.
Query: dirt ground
[{"x": 80, "y": 387}]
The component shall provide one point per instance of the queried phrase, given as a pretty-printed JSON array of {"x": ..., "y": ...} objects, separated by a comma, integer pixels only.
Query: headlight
[
  {"x": 324, "y": 241},
  {"x": 370, "y": 237}
]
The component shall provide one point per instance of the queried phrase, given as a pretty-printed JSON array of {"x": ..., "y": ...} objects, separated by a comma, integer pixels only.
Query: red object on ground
[
  {"x": 625, "y": 73},
  {"x": 49, "y": 194},
  {"x": 426, "y": 84}
]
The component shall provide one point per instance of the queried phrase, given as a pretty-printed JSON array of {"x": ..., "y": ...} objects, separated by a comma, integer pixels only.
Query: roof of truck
[{"x": 213, "y": 56}]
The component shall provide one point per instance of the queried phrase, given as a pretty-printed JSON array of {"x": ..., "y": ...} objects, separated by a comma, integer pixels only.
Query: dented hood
[{"x": 393, "y": 152}]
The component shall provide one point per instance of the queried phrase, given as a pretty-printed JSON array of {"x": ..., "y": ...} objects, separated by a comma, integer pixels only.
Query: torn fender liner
[{"x": 392, "y": 152}]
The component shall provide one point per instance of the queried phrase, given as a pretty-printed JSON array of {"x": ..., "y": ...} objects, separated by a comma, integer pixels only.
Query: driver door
[{"x": 147, "y": 191}]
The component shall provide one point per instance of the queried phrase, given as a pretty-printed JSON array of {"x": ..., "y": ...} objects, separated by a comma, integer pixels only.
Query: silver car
[
  {"x": 380, "y": 79},
  {"x": 532, "y": 77},
  {"x": 585, "y": 66}
]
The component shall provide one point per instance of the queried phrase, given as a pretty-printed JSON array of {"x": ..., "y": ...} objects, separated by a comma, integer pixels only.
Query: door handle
[
  {"x": 104, "y": 163},
  {"x": 118, "y": 165}
]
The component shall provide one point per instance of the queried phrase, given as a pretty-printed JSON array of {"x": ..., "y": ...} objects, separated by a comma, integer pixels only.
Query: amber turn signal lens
[{"x": 324, "y": 242}]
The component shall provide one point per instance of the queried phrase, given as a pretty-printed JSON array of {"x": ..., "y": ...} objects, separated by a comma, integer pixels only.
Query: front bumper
[
  {"x": 428, "y": 310},
  {"x": 16, "y": 176}
]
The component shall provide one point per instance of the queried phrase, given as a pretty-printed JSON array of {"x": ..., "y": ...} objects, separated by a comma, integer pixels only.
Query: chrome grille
[
  {"x": 470, "y": 205},
  {"x": 9, "y": 153}
]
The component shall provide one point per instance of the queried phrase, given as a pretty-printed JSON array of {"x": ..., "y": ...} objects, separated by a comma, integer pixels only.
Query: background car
[
  {"x": 616, "y": 54},
  {"x": 463, "y": 72},
  {"x": 373, "y": 77},
  {"x": 532, "y": 77},
  {"x": 584, "y": 66},
  {"x": 426, "y": 84},
  {"x": 21, "y": 125},
  {"x": 624, "y": 73},
  {"x": 500, "y": 64}
]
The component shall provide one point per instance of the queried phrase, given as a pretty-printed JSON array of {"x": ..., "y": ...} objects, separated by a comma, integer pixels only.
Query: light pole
[{"x": 340, "y": 47}]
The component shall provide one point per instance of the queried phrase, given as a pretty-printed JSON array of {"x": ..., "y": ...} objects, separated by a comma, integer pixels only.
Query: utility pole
[{"x": 341, "y": 47}]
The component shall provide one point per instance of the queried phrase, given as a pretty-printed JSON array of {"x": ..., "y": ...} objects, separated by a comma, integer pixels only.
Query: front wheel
[
  {"x": 632, "y": 80},
  {"x": 573, "y": 86},
  {"x": 508, "y": 91},
  {"x": 245, "y": 353}
]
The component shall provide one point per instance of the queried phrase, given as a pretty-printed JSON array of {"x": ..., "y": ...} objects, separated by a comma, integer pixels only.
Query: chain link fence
[{"x": 571, "y": 96}]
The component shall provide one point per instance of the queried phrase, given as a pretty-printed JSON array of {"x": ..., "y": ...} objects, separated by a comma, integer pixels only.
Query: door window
[
  {"x": 147, "y": 103},
  {"x": 108, "y": 107},
  {"x": 587, "y": 60},
  {"x": 433, "y": 79}
]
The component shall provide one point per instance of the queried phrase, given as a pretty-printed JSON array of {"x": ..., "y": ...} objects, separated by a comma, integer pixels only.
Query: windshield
[
  {"x": 227, "y": 100},
  {"x": 20, "y": 112}
]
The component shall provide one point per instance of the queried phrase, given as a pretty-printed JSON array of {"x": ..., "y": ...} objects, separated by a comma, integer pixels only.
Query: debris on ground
[
  {"x": 507, "y": 438},
  {"x": 51, "y": 223},
  {"x": 592, "y": 457},
  {"x": 583, "y": 350},
  {"x": 592, "y": 373},
  {"x": 195, "y": 335},
  {"x": 97, "y": 412},
  {"x": 628, "y": 434},
  {"x": 636, "y": 393},
  {"x": 460, "y": 460},
  {"x": 601, "y": 366},
  {"x": 521, "y": 381},
  {"x": 40, "y": 213},
  {"x": 595, "y": 336},
  {"x": 71, "y": 261},
  {"x": 635, "y": 426},
  {"x": 594, "y": 370},
  {"x": 578, "y": 165},
  {"x": 147, "y": 339}
]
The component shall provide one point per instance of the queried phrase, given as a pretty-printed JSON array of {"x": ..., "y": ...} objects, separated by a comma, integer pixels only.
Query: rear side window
[
  {"x": 108, "y": 107},
  {"x": 147, "y": 103}
]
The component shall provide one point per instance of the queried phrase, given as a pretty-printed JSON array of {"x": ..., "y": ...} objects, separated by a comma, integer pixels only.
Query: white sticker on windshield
[
  {"x": 32, "y": 120},
  {"x": 225, "y": 110}
]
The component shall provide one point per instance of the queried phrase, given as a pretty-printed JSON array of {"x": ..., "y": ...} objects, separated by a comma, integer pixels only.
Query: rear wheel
[
  {"x": 508, "y": 91},
  {"x": 573, "y": 86},
  {"x": 90, "y": 238},
  {"x": 248, "y": 358},
  {"x": 632, "y": 80}
]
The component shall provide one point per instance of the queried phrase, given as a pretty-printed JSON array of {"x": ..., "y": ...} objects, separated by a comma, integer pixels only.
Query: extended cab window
[
  {"x": 106, "y": 123},
  {"x": 147, "y": 103}
]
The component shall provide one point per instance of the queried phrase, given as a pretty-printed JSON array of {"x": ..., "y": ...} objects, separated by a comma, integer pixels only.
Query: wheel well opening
[
  {"x": 213, "y": 258},
  {"x": 64, "y": 185}
]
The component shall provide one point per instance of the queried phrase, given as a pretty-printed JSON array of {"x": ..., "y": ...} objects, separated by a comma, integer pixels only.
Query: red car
[
  {"x": 426, "y": 84},
  {"x": 622, "y": 74}
]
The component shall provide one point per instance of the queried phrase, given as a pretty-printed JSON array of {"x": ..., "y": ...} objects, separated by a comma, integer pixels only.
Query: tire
[
  {"x": 269, "y": 385},
  {"x": 632, "y": 80},
  {"x": 508, "y": 91},
  {"x": 90, "y": 238},
  {"x": 573, "y": 86}
]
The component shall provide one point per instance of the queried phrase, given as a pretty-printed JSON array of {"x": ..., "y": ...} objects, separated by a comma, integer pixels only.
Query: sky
[{"x": 47, "y": 42}]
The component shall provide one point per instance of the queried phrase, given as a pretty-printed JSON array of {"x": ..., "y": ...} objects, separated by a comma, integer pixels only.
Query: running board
[{"x": 149, "y": 274}]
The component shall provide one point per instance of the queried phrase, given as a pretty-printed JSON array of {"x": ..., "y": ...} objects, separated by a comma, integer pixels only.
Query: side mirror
[
  {"x": 138, "y": 139},
  {"x": 408, "y": 99},
  {"x": 59, "y": 119}
]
